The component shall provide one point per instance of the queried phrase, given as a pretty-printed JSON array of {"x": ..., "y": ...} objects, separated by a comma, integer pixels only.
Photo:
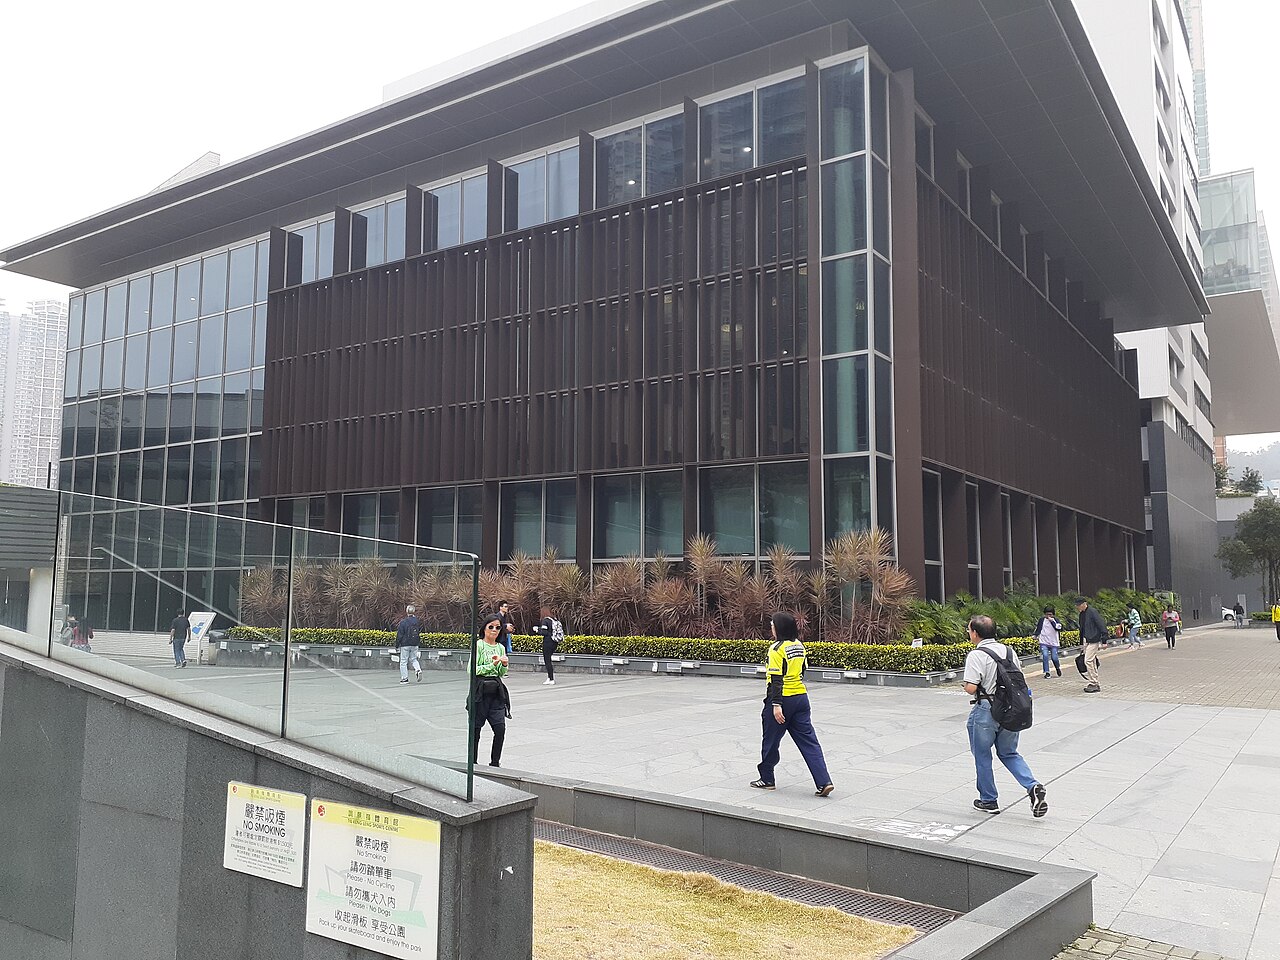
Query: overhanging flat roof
[
  {"x": 1017, "y": 77},
  {"x": 1244, "y": 365}
]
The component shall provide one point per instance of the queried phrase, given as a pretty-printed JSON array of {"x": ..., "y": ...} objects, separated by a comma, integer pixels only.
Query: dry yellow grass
[{"x": 589, "y": 907}]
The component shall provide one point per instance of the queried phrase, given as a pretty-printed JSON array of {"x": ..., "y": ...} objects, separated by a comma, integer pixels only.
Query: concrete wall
[{"x": 111, "y": 833}]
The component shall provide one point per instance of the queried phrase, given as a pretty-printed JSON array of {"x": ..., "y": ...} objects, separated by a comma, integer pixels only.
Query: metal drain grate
[{"x": 856, "y": 903}]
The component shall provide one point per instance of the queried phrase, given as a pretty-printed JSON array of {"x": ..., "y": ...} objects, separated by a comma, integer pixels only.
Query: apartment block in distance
[
  {"x": 765, "y": 271},
  {"x": 32, "y": 341}
]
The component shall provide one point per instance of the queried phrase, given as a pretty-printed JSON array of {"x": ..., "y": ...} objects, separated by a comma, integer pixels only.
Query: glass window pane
[
  {"x": 152, "y": 476},
  {"x": 158, "y": 357},
  {"x": 177, "y": 475},
  {"x": 208, "y": 409},
  {"x": 435, "y": 517},
  {"x": 75, "y": 322},
  {"x": 618, "y": 168},
  {"x": 181, "y": 412},
  {"x": 83, "y": 480},
  {"x": 253, "y": 468},
  {"x": 302, "y": 255},
  {"x": 259, "y": 336},
  {"x": 161, "y": 298},
  {"x": 184, "y": 351},
  {"x": 135, "y": 363},
  {"x": 116, "y": 294},
  {"x": 132, "y": 409},
  {"x": 130, "y": 475},
  {"x": 879, "y": 114},
  {"x": 90, "y": 370},
  {"x": 261, "y": 278},
  {"x": 562, "y": 184},
  {"x": 211, "y": 333},
  {"x": 526, "y": 196},
  {"x": 156, "y": 428},
  {"x": 108, "y": 424},
  {"x": 71, "y": 375},
  {"x": 844, "y": 305},
  {"x": 664, "y": 154},
  {"x": 475, "y": 212},
  {"x": 213, "y": 289},
  {"x": 470, "y": 513},
  {"x": 842, "y": 109},
  {"x": 844, "y": 206},
  {"x": 448, "y": 215},
  {"x": 880, "y": 206},
  {"x": 388, "y": 516},
  {"x": 204, "y": 472},
  {"x": 139, "y": 304},
  {"x": 187, "y": 299},
  {"x": 782, "y": 121},
  {"x": 112, "y": 365},
  {"x": 848, "y": 495},
  {"x": 616, "y": 517},
  {"x": 924, "y": 145},
  {"x": 932, "y": 516},
  {"x": 375, "y": 244},
  {"x": 562, "y": 518},
  {"x": 881, "y": 309},
  {"x": 235, "y": 404},
  {"x": 728, "y": 509},
  {"x": 240, "y": 288},
  {"x": 239, "y": 339},
  {"x": 725, "y": 143},
  {"x": 664, "y": 514},
  {"x": 324, "y": 251},
  {"x": 521, "y": 519},
  {"x": 255, "y": 401},
  {"x": 93, "y": 305},
  {"x": 884, "y": 405},
  {"x": 395, "y": 230},
  {"x": 784, "y": 506},
  {"x": 70, "y": 412},
  {"x": 844, "y": 407},
  {"x": 105, "y": 480},
  {"x": 231, "y": 470}
]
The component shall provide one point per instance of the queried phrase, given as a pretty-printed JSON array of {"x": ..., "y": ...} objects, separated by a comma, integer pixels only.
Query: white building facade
[{"x": 31, "y": 379}]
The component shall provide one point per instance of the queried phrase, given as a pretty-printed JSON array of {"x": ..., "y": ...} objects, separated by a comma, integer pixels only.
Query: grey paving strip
[{"x": 856, "y": 903}]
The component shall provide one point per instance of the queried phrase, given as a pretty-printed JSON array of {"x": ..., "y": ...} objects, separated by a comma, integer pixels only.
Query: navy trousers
[{"x": 796, "y": 721}]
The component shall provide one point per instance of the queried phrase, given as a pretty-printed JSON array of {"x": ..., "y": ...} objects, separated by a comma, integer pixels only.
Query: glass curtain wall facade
[
  {"x": 857, "y": 323},
  {"x": 163, "y": 405}
]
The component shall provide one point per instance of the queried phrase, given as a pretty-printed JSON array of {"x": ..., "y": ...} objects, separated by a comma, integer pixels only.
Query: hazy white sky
[{"x": 103, "y": 101}]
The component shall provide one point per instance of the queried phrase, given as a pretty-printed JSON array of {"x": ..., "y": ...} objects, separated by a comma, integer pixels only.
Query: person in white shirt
[{"x": 984, "y": 732}]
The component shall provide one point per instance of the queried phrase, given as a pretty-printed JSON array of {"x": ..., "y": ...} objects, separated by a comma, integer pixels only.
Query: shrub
[{"x": 1263, "y": 616}]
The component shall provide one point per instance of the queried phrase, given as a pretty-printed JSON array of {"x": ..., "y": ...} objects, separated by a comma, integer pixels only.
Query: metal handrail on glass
[{"x": 289, "y": 631}]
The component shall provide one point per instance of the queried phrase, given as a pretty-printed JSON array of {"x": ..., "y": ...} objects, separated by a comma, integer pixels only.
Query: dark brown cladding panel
[
  {"x": 1010, "y": 390},
  {"x": 612, "y": 340}
]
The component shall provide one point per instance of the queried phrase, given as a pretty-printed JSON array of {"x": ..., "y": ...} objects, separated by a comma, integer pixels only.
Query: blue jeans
[
  {"x": 407, "y": 654},
  {"x": 179, "y": 654},
  {"x": 985, "y": 733},
  {"x": 1133, "y": 635},
  {"x": 1048, "y": 653},
  {"x": 795, "y": 721}
]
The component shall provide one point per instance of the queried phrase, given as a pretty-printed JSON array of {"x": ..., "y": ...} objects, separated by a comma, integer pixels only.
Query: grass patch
[{"x": 590, "y": 907}]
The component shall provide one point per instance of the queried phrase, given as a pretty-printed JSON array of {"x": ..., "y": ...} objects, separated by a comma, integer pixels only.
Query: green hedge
[
  {"x": 898, "y": 658},
  {"x": 1262, "y": 616}
]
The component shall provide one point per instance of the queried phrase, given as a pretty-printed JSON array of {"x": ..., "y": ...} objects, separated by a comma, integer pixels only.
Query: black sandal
[{"x": 762, "y": 785}]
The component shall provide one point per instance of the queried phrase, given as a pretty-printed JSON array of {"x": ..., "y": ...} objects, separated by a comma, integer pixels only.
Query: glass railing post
[
  {"x": 471, "y": 677},
  {"x": 288, "y": 623},
  {"x": 53, "y": 586}
]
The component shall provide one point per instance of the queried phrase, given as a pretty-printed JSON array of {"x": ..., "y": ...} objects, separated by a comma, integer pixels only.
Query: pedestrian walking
[
  {"x": 1170, "y": 620},
  {"x": 409, "y": 643},
  {"x": 490, "y": 699},
  {"x": 786, "y": 708},
  {"x": 1093, "y": 636},
  {"x": 982, "y": 668},
  {"x": 552, "y": 632},
  {"x": 1275, "y": 617},
  {"x": 1048, "y": 632},
  {"x": 1134, "y": 622},
  {"x": 1238, "y": 610},
  {"x": 68, "y": 631},
  {"x": 179, "y": 630}
]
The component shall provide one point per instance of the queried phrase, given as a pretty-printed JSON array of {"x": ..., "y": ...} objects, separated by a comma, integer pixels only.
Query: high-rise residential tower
[
  {"x": 32, "y": 342},
  {"x": 1194, "y": 10}
]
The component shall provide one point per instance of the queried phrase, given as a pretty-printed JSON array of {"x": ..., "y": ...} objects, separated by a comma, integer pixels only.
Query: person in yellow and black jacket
[
  {"x": 1275, "y": 617},
  {"x": 786, "y": 708}
]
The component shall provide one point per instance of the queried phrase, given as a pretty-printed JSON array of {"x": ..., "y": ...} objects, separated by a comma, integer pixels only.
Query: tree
[
  {"x": 1221, "y": 476},
  {"x": 1250, "y": 481},
  {"x": 1256, "y": 546}
]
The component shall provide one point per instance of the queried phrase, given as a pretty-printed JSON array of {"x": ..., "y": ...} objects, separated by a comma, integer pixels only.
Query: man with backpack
[
  {"x": 552, "y": 635},
  {"x": 1001, "y": 709}
]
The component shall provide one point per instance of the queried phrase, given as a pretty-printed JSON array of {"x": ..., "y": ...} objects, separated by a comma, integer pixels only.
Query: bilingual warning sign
[
  {"x": 264, "y": 832},
  {"x": 373, "y": 879}
]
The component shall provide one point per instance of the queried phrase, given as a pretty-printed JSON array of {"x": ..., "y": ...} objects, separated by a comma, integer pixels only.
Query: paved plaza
[{"x": 1164, "y": 784}]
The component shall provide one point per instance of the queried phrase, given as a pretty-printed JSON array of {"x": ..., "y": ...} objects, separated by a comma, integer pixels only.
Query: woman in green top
[{"x": 489, "y": 697}]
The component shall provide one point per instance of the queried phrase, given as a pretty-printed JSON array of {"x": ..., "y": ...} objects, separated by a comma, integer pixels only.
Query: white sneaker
[
  {"x": 418, "y": 673},
  {"x": 548, "y": 683}
]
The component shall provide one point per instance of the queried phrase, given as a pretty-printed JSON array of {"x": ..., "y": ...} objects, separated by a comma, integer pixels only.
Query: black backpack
[{"x": 1011, "y": 699}]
